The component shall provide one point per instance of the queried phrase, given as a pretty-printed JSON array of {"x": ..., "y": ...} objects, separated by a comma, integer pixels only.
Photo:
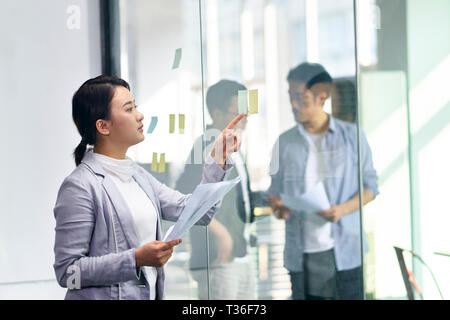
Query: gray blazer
[{"x": 95, "y": 237}]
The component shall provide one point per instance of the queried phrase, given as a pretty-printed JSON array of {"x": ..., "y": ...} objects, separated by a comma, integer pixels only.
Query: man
[
  {"x": 224, "y": 257},
  {"x": 323, "y": 249}
]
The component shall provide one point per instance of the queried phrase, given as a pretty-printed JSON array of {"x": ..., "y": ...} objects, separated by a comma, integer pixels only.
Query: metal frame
[{"x": 110, "y": 36}]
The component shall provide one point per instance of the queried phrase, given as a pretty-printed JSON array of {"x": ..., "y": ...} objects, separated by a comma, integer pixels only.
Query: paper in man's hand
[{"x": 312, "y": 201}]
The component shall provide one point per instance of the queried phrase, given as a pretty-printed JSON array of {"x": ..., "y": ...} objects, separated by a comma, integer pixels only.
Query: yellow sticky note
[
  {"x": 253, "y": 100},
  {"x": 171, "y": 123},
  {"x": 155, "y": 162},
  {"x": 162, "y": 163},
  {"x": 181, "y": 118}
]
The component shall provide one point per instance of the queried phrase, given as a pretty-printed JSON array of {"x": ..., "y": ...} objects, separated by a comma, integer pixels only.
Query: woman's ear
[{"x": 103, "y": 127}]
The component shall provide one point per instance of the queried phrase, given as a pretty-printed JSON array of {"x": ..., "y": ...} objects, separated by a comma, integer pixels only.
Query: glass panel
[
  {"x": 404, "y": 54},
  {"x": 255, "y": 44},
  {"x": 161, "y": 57}
]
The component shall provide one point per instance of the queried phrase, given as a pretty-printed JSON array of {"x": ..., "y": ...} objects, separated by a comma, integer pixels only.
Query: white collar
[{"x": 120, "y": 168}]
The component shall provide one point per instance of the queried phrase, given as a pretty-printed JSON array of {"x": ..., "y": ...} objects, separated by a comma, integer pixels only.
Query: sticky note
[
  {"x": 171, "y": 123},
  {"x": 177, "y": 59},
  {"x": 152, "y": 125},
  {"x": 253, "y": 101},
  {"x": 181, "y": 119},
  {"x": 242, "y": 102},
  {"x": 155, "y": 162},
  {"x": 162, "y": 163}
]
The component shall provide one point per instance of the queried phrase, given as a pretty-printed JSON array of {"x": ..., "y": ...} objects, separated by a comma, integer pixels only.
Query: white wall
[{"x": 42, "y": 63}]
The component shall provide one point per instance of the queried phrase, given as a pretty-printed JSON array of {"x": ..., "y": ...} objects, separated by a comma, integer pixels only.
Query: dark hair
[
  {"x": 90, "y": 103},
  {"x": 219, "y": 95},
  {"x": 310, "y": 74}
]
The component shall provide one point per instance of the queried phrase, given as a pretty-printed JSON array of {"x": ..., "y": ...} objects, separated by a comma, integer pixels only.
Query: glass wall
[{"x": 227, "y": 46}]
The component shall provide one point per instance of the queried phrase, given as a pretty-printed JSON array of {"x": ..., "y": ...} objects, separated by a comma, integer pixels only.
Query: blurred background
[{"x": 390, "y": 62}]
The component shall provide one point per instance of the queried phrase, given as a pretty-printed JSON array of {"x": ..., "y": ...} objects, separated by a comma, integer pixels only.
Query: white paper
[
  {"x": 312, "y": 201},
  {"x": 204, "y": 197}
]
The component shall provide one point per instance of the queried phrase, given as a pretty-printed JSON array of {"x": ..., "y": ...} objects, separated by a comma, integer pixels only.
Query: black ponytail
[
  {"x": 79, "y": 152},
  {"x": 90, "y": 103}
]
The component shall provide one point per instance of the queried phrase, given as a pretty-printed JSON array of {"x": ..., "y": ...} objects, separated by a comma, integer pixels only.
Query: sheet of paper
[
  {"x": 253, "y": 101},
  {"x": 181, "y": 119},
  {"x": 312, "y": 201},
  {"x": 177, "y": 59},
  {"x": 152, "y": 125},
  {"x": 171, "y": 123},
  {"x": 204, "y": 197},
  {"x": 242, "y": 101}
]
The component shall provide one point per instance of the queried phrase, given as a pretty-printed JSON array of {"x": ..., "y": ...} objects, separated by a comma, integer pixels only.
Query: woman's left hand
[{"x": 227, "y": 142}]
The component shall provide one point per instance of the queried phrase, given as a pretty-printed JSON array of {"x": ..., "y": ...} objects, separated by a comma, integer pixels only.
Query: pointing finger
[{"x": 235, "y": 121}]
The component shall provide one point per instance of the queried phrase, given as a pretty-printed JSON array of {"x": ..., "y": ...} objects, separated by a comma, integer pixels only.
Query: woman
[{"x": 108, "y": 210}]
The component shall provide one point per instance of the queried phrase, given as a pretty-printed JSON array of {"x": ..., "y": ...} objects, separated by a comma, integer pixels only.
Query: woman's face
[{"x": 125, "y": 126}]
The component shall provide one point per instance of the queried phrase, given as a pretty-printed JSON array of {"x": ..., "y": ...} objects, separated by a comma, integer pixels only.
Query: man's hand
[
  {"x": 227, "y": 142},
  {"x": 337, "y": 211},
  {"x": 155, "y": 253},
  {"x": 279, "y": 210},
  {"x": 334, "y": 213}
]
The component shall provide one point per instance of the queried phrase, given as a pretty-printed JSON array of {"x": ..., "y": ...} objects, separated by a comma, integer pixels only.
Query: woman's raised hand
[{"x": 227, "y": 142}]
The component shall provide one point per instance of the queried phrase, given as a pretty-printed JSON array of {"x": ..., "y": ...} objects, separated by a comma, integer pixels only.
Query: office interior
[{"x": 390, "y": 63}]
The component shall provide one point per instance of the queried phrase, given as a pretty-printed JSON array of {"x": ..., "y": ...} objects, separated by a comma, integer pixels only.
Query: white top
[
  {"x": 141, "y": 207},
  {"x": 317, "y": 230}
]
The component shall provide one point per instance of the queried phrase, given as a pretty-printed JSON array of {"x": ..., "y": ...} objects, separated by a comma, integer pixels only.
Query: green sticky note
[
  {"x": 176, "y": 61},
  {"x": 242, "y": 102},
  {"x": 253, "y": 101},
  {"x": 152, "y": 125}
]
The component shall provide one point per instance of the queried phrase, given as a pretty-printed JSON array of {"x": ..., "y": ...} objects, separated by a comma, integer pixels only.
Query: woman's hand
[
  {"x": 155, "y": 253},
  {"x": 227, "y": 142}
]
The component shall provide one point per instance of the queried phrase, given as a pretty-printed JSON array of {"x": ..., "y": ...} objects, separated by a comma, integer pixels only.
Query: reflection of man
[
  {"x": 230, "y": 271},
  {"x": 323, "y": 249}
]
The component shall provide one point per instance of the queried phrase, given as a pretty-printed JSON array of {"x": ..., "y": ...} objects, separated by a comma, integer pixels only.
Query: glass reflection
[
  {"x": 318, "y": 164},
  {"x": 224, "y": 250},
  {"x": 246, "y": 252}
]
